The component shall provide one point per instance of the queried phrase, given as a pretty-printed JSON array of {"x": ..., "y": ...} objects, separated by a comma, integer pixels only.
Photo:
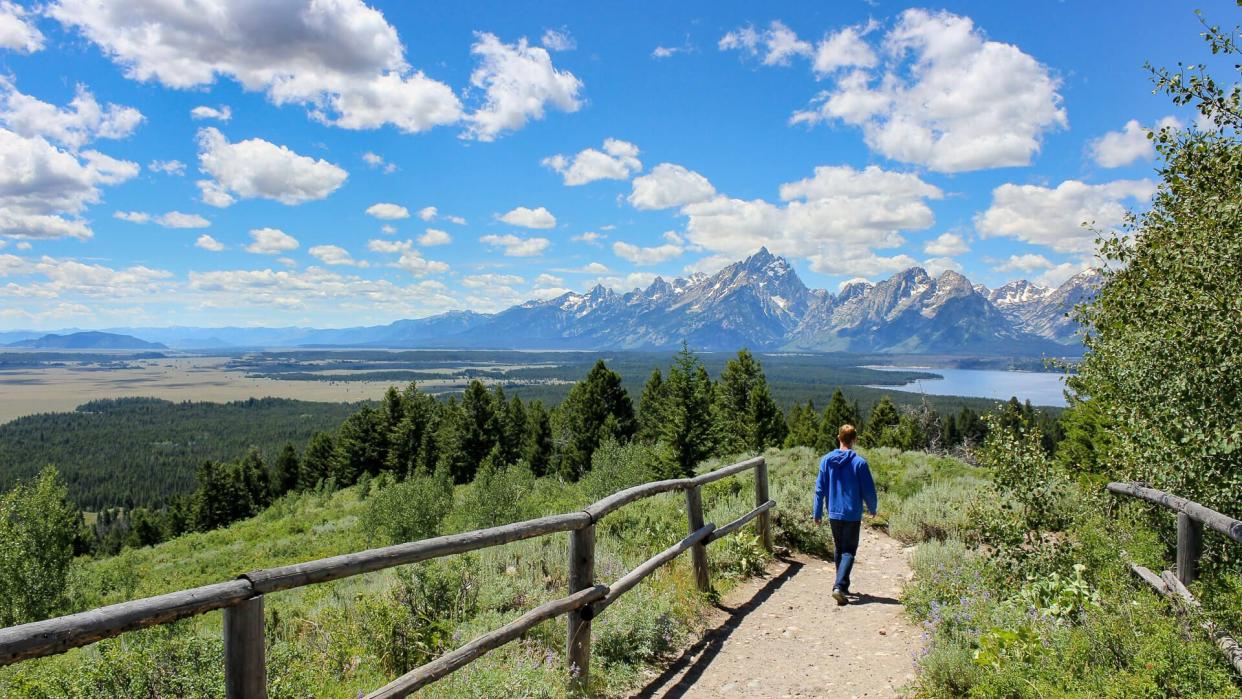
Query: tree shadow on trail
[
  {"x": 864, "y": 598},
  {"x": 696, "y": 659}
]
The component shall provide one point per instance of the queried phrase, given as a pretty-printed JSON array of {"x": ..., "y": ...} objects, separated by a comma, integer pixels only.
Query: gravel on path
[{"x": 782, "y": 635}]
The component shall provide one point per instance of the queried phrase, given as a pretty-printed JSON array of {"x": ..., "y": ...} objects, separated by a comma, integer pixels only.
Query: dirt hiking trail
[{"x": 782, "y": 635}]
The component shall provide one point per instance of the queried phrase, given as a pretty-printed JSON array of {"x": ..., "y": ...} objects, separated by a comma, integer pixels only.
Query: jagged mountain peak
[
  {"x": 1016, "y": 292},
  {"x": 761, "y": 302}
]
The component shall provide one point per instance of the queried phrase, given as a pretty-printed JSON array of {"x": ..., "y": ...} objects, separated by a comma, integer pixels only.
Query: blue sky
[{"x": 278, "y": 162}]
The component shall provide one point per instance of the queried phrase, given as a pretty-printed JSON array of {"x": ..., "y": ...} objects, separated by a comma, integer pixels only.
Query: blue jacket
[{"x": 845, "y": 481}]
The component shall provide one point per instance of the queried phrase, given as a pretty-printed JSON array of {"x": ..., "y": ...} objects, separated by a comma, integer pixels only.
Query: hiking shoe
[{"x": 839, "y": 596}]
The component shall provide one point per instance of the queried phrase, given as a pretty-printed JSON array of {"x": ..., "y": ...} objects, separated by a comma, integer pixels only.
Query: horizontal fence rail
[
  {"x": 1214, "y": 520},
  {"x": 242, "y": 599},
  {"x": 1191, "y": 518}
]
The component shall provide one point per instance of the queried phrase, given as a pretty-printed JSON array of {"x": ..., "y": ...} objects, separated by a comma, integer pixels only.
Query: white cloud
[
  {"x": 374, "y": 160},
  {"x": 618, "y": 161},
  {"x": 665, "y": 51},
  {"x": 647, "y": 256},
  {"x": 515, "y": 246},
  {"x": 546, "y": 293},
  {"x": 549, "y": 280},
  {"x": 334, "y": 255},
  {"x": 1025, "y": 263},
  {"x": 458, "y": 220},
  {"x": 558, "y": 40},
  {"x": 177, "y": 219},
  {"x": 1055, "y": 217},
  {"x": 529, "y": 218},
  {"x": 844, "y": 49},
  {"x": 390, "y": 246},
  {"x": 427, "y": 213},
  {"x": 388, "y": 212},
  {"x": 317, "y": 289},
  {"x": 936, "y": 265},
  {"x": 339, "y": 59},
  {"x": 221, "y": 113},
  {"x": 589, "y": 237},
  {"x": 946, "y": 244},
  {"x": 62, "y": 278},
  {"x": 270, "y": 241},
  {"x": 1059, "y": 274},
  {"x": 17, "y": 30},
  {"x": 434, "y": 236},
  {"x": 255, "y": 168},
  {"x": 132, "y": 216},
  {"x": 83, "y": 121},
  {"x": 1118, "y": 148},
  {"x": 413, "y": 262},
  {"x": 168, "y": 167},
  {"x": 778, "y": 42},
  {"x": 43, "y": 188},
  {"x": 948, "y": 98},
  {"x": 207, "y": 242},
  {"x": 835, "y": 219},
  {"x": 669, "y": 185},
  {"x": 486, "y": 281},
  {"x": 410, "y": 259},
  {"x": 388, "y": 230},
  {"x": 518, "y": 81}
]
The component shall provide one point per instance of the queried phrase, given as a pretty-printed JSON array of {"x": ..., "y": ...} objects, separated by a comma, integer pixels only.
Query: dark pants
[{"x": 845, "y": 545}]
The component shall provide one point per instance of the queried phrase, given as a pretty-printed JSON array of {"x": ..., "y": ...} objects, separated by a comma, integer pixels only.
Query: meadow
[{"x": 340, "y": 638}]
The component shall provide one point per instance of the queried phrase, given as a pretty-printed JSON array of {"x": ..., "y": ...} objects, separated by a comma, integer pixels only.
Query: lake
[{"x": 1040, "y": 388}]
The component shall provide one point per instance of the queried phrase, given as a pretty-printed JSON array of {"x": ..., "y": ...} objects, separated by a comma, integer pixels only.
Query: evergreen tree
[
  {"x": 650, "y": 407},
  {"x": 219, "y": 498},
  {"x": 145, "y": 528},
  {"x": 688, "y": 429},
  {"x": 949, "y": 431},
  {"x": 410, "y": 439},
  {"x": 971, "y": 427},
  {"x": 513, "y": 428},
  {"x": 285, "y": 471},
  {"x": 883, "y": 416},
  {"x": 766, "y": 421},
  {"x": 254, "y": 482},
  {"x": 316, "y": 461},
  {"x": 747, "y": 417},
  {"x": 37, "y": 528},
  {"x": 361, "y": 447},
  {"x": 596, "y": 408},
  {"x": 803, "y": 426},
  {"x": 1088, "y": 434},
  {"x": 838, "y": 412},
  {"x": 478, "y": 431},
  {"x": 537, "y": 448},
  {"x": 393, "y": 410}
]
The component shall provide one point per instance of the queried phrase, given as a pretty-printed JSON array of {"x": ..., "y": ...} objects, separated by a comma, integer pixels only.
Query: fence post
[
  {"x": 698, "y": 552},
  {"x": 764, "y": 522},
  {"x": 1189, "y": 546},
  {"x": 245, "y": 666},
  {"x": 581, "y": 576}
]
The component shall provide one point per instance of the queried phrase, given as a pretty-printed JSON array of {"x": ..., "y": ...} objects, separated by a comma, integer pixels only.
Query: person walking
[{"x": 845, "y": 482}]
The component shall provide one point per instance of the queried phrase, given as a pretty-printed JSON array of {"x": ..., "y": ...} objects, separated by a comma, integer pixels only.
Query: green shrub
[
  {"x": 410, "y": 510},
  {"x": 941, "y": 511},
  {"x": 617, "y": 466}
]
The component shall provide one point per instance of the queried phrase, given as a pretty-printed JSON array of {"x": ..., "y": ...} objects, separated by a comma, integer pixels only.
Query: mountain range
[
  {"x": 87, "y": 340},
  {"x": 759, "y": 302}
]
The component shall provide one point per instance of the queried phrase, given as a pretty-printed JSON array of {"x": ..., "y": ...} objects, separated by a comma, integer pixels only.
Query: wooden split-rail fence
[
  {"x": 1191, "y": 520},
  {"x": 242, "y": 599}
]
